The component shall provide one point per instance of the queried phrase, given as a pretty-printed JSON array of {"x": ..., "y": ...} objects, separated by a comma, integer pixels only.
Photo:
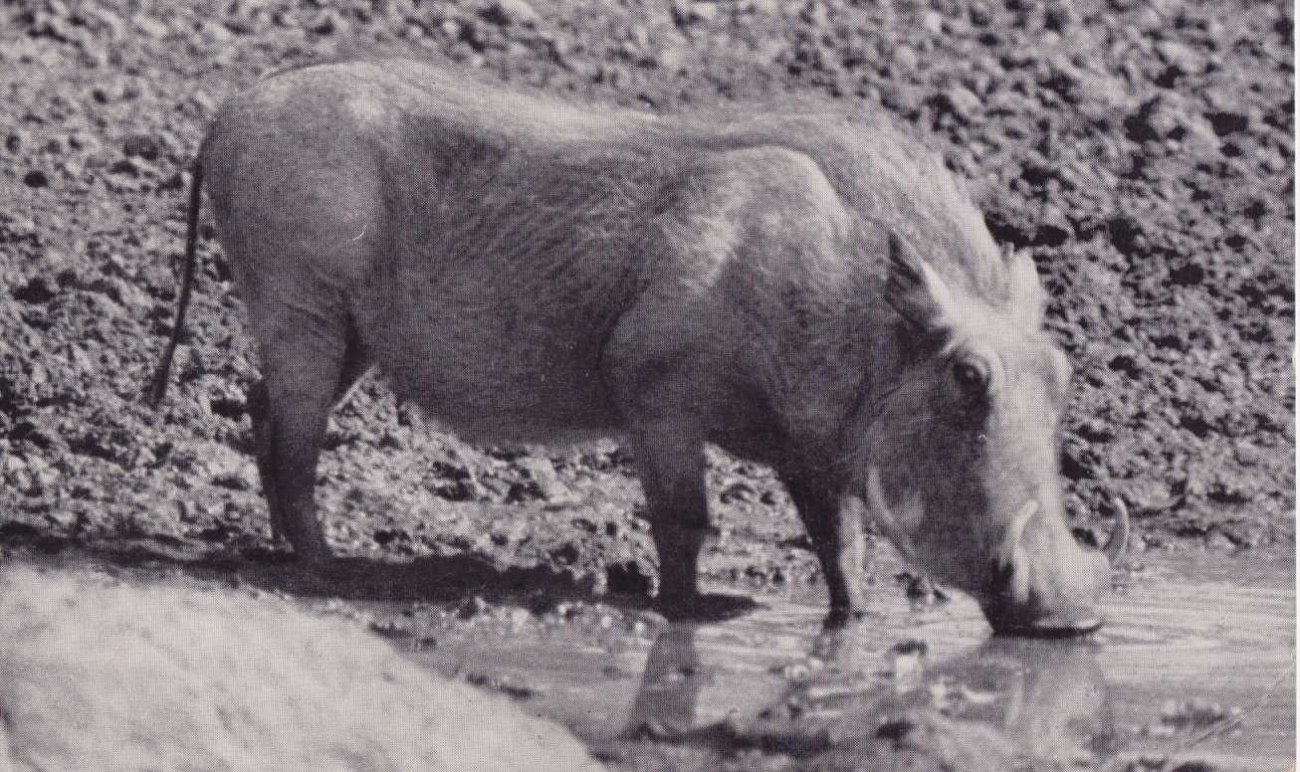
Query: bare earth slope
[{"x": 1143, "y": 151}]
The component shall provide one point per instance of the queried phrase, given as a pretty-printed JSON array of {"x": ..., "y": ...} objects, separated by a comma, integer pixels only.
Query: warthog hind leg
[
  {"x": 290, "y": 409},
  {"x": 671, "y": 468}
]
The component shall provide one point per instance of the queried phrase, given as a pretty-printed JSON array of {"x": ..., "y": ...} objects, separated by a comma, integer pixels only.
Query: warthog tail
[{"x": 158, "y": 385}]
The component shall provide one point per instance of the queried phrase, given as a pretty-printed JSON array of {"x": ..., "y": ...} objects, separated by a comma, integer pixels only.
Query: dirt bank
[
  {"x": 1142, "y": 151},
  {"x": 100, "y": 674}
]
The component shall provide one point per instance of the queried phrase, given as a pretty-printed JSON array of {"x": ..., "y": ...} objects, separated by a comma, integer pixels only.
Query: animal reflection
[{"x": 1007, "y": 701}]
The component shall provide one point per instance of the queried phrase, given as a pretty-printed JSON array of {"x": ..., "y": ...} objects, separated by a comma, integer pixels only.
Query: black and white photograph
[{"x": 647, "y": 385}]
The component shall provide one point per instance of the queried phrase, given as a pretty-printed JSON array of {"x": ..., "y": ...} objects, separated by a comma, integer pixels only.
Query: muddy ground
[{"x": 1142, "y": 151}]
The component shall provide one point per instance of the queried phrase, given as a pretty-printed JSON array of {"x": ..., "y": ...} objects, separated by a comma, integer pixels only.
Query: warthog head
[{"x": 962, "y": 471}]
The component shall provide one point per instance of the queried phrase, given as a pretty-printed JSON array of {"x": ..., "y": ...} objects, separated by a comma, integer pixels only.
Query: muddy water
[
  {"x": 1212, "y": 628},
  {"x": 1195, "y": 664}
]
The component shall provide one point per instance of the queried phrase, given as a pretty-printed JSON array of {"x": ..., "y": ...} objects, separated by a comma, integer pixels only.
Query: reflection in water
[
  {"x": 1049, "y": 697},
  {"x": 1009, "y": 697},
  {"x": 925, "y": 687},
  {"x": 670, "y": 685}
]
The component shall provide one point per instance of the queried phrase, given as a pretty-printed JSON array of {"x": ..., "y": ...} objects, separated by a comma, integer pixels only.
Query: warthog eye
[{"x": 972, "y": 376}]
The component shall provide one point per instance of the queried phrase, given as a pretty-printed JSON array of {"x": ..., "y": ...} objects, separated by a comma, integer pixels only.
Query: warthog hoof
[{"x": 841, "y": 617}]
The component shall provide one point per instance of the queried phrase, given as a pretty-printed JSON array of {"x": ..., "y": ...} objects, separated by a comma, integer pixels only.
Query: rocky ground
[{"x": 1142, "y": 151}]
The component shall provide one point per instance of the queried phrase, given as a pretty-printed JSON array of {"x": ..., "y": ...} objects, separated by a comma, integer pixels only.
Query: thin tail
[{"x": 158, "y": 386}]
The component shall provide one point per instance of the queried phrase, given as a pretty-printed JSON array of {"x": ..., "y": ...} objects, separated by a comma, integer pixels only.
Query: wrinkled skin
[{"x": 796, "y": 287}]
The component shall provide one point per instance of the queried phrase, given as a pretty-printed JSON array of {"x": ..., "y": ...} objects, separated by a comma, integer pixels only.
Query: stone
[
  {"x": 104, "y": 675},
  {"x": 963, "y": 102},
  {"x": 932, "y": 22},
  {"x": 505, "y": 12}
]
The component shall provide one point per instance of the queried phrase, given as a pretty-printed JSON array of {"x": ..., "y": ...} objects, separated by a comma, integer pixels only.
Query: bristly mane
[{"x": 876, "y": 177}]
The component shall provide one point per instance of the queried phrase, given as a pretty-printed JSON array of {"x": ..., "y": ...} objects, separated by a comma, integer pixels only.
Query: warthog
[{"x": 808, "y": 290}]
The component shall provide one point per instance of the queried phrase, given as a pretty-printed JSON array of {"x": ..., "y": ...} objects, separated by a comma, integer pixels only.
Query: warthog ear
[
  {"x": 914, "y": 290},
  {"x": 1025, "y": 288}
]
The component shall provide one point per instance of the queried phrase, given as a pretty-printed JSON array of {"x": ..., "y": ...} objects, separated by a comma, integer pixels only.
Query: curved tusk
[
  {"x": 1011, "y": 542},
  {"x": 884, "y": 518},
  {"x": 1117, "y": 546}
]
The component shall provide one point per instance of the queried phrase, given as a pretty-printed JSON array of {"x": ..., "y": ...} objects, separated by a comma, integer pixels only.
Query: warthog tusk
[
  {"x": 879, "y": 511},
  {"x": 1117, "y": 546},
  {"x": 1011, "y": 542},
  {"x": 1013, "y": 556}
]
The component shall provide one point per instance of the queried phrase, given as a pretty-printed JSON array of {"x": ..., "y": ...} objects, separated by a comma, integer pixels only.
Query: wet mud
[{"x": 1195, "y": 665}]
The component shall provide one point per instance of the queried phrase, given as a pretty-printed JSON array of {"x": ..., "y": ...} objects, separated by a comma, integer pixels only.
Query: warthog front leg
[{"x": 835, "y": 529}]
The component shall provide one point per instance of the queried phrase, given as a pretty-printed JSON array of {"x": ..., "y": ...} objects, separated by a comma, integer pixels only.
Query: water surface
[{"x": 1195, "y": 663}]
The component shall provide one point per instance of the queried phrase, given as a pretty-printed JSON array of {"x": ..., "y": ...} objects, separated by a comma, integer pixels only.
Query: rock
[
  {"x": 542, "y": 472},
  {"x": 1150, "y": 123},
  {"x": 1098, "y": 95},
  {"x": 472, "y": 608},
  {"x": 566, "y": 554},
  {"x": 1177, "y": 55},
  {"x": 737, "y": 491},
  {"x": 1227, "y": 122},
  {"x": 227, "y": 468},
  {"x": 31, "y": 475},
  {"x": 328, "y": 22},
  {"x": 125, "y": 167},
  {"x": 151, "y": 27},
  {"x": 670, "y": 58},
  {"x": 142, "y": 146},
  {"x": 963, "y": 103},
  {"x": 14, "y": 141},
  {"x": 905, "y": 58},
  {"x": 704, "y": 11},
  {"x": 504, "y": 12},
  {"x": 36, "y": 179},
  {"x": 1059, "y": 17},
  {"x": 931, "y": 22},
  {"x": 1126, "y": 234},
  {"x": 1147, "y": 494},
  {"x": 1169, "y": 117},
  {"x": 100, "y": 675},
  {"x": 1053, "y": 228}
]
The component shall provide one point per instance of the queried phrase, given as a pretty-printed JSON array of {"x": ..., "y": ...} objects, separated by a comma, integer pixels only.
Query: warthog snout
[
  {"x": 1045, "y": 594},
  {"x": 1040, "y": 581}
]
